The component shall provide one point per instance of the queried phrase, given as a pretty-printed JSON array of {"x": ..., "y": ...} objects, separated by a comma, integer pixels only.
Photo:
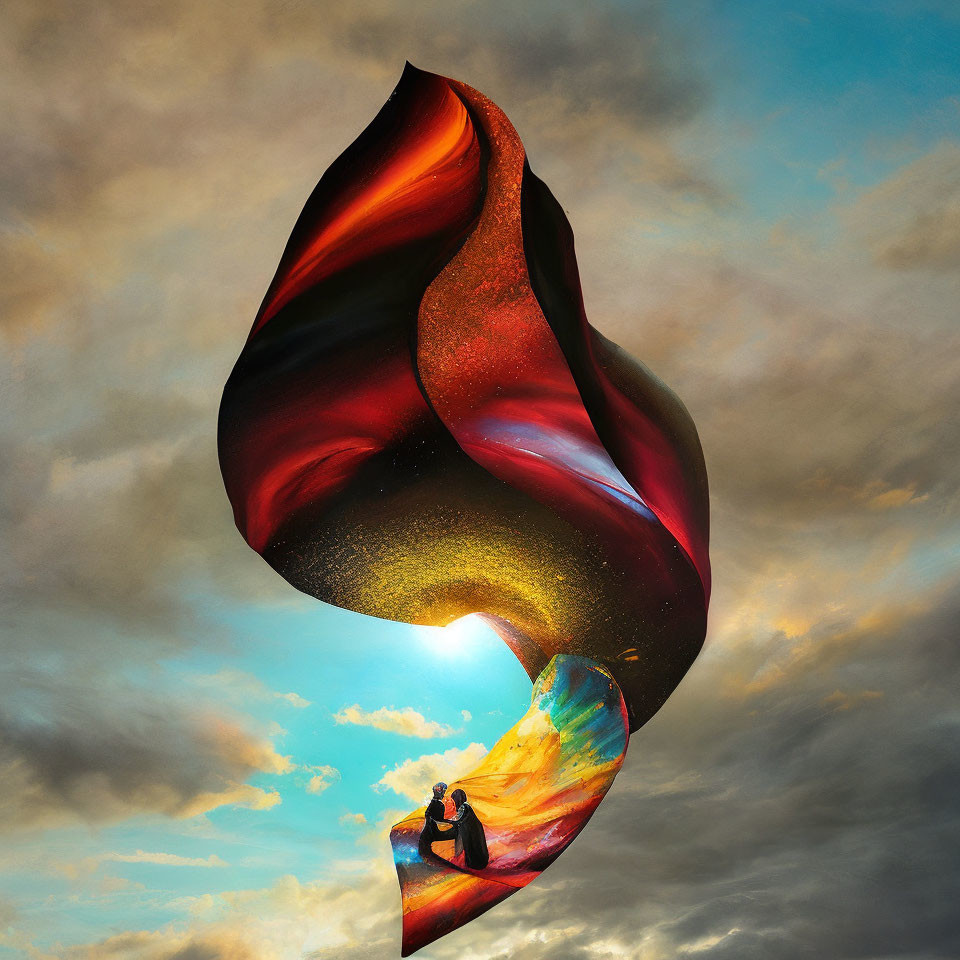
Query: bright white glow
[{"x": 465, "y": 636}]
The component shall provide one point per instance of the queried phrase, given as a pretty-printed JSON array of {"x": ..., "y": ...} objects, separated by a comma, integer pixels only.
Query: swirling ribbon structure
[{"x": 423, "y": 425}]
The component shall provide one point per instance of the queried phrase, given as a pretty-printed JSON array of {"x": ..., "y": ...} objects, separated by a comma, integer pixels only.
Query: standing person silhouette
[{"x": 435, "y": 814}]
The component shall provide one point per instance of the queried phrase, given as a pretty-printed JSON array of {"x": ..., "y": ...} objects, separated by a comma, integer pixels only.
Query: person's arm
[{"x": 448, "y": 834}]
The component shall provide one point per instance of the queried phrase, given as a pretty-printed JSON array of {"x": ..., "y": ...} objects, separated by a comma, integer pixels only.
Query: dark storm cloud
[
  {"x": 912, "y": 221},
  {"x": 8, "y": 913},
  {"x": 795, "y": 821},
  {"x": 611, "y": 58},
  {"x": 126, "y": 419},
  {"x": 67, "y": 757},
  {"x": 143, "y": 945},
  {"x": 600, "y": 85},
  {"x": 822, "y": 417},
  {"x": 113, "y": 536},
  {"x": 852, "y": 403},
  {"x": 372, "y": 949},
  {"x": 177, "y": 75}
]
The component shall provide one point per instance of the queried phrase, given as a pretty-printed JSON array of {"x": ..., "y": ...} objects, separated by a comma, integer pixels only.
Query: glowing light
[{"x": 465, "y": 636}]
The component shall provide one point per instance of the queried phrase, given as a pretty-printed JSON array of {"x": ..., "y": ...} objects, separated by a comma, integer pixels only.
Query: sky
[{"x": 198, "y": 763}]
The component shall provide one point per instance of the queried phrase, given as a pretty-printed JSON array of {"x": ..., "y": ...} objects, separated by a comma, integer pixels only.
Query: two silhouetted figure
[{"x": 465, "y": 828}]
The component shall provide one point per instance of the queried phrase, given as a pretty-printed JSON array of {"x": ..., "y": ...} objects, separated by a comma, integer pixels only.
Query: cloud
[
  {"x": 8, "y": 913},
  {"x": 294, "y": 699},
  {"x": 238, "y": 685},
  {"x": 160, "y": 945},
  {"x": 285, "y": 919},
  {"x": 71, "y": 557},
  {"x": 353, "y": 819},
  {"x": 820, "y": 410},
  {"x": 322, "y": 778},
  {"x": 65, "y": 758},
  {"x": 414, "y": 777},
  {"x": 142, "y": 856},
  {"x": 707, "y": 943},
  {"x": 377, "y": 838},
  {"x": 167, "y": 859},
  {"x": 912, "y": 220},
  {"x": 843, "y": 700},
  {"x": 405, "y": 721}
]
